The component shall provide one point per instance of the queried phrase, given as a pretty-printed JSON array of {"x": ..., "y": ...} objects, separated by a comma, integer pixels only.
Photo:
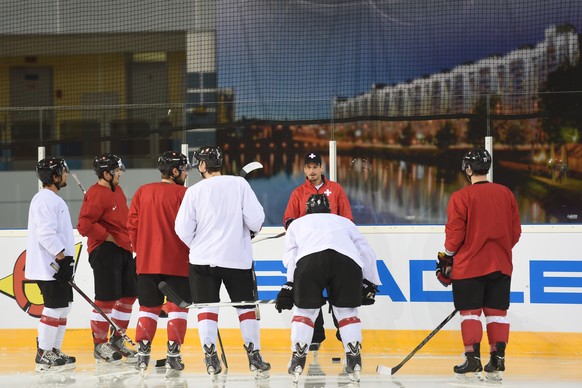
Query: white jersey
[
  {"x": 320, "y": 231},
  {"x": 215, "y": 220},
  {"x": 49, "y": 232}
]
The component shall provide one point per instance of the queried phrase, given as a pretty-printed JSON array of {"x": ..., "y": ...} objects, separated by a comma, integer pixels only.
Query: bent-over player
[
  {"x": 326, "y": 251},
  {"x": 316, "y": 183}
]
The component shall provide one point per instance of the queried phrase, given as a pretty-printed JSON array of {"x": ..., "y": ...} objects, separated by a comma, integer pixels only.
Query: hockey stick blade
[
  {"x": 252, "y": 166},
  {"x": 384, "y": 370},
  {"x": 171, "y": 295},
  {"x": 256, "y": 240}
]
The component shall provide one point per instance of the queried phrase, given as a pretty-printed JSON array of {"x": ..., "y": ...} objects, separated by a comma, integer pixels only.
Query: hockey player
[
  {"x": 49, "y": 240},
  {"x": 103, "y": 220},
  {"x": 326, "y": 251},
  {"x": 482, "y": 228},
  {"x": 316, "y": 183},
  {"x": 160, "y": 256},
  {"x": 216, "y": 219}
]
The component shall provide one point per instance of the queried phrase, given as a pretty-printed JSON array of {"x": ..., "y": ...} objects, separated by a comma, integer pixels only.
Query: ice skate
[
  {"x": 70, "y": 361},
  {"x": 47, "y": 360},
  {"x": 496, "y": 365},
  {"x": 471, "y": 369},
  {"x": 174, "y": 364},
  {"x": 104, "y": 353},
  {"x": 117, "y": 343},
  {"x": 256, "y": 363},
  {"x": 213, "y": 366},
  {"x": 143, "y": 356},
  {"x": 297, "y": 362},
  {"x": 353, "y": 365}
]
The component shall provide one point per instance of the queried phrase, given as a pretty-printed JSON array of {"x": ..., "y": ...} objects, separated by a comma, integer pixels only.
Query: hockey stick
[
  {"x": 116, "y": 328},
  {"x": 252, "y": 166},
  {"x": 267, "y": 238},
  {"x": 177, "y": 300},
  {"x": 384, "y": 370},
  {"x": 79, "y": 183}
]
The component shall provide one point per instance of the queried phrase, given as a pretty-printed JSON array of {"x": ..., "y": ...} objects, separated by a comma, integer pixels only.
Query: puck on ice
[{"x": 335, "y": 359}]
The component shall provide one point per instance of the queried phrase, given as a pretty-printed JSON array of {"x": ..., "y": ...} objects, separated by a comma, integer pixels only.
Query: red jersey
[
  {"x": 482, "y": 228},
  {"x": 104, "y": 212},
  {"x": 152, "y": 215},
  {"x": 338, "y": 200}
]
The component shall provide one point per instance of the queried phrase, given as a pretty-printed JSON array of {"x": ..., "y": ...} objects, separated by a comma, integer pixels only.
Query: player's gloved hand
[
  {"x": 369, "y": 291},
  {"x": 444, "y": 266},
  {"x": 285, "y": 297},
  {"x": 66, "y": 269},
  {"x": 253, "y": 234}
]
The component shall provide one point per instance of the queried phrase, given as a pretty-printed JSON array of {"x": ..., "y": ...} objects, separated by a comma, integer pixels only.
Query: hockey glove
[
  {"x": 444, "y": 266},
  {"x": 369, "y": 291},
  {"x": 66, "y": 268},
  {"x": 285, "y": 297}
]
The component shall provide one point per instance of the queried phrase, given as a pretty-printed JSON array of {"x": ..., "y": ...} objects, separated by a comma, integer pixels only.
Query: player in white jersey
[
  {"x": 50, "y": 241},
  {"x": 215, "y": 220},
  {"x": 326, "y": 251}
]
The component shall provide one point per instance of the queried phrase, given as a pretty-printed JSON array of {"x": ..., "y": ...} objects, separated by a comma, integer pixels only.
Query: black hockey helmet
[
  {"x": 107, "y": 162},
  {"x": 478, "y": 159},
  {"x": 170, "y": 159},
  {"x": 318, "y": 203},
  {"x": 212, "y": 155},
  {"x": 47, "y": 168}
]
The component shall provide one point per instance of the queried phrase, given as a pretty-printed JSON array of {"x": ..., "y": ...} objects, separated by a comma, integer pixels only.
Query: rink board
[{"x": 546, "y": 288}]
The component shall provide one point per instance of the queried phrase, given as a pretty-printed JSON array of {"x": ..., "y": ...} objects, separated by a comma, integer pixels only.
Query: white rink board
[{"x": 547, "y": 281}]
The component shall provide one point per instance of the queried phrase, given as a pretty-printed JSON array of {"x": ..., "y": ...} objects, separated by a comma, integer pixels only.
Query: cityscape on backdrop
[{"x": 399, "y": 140}]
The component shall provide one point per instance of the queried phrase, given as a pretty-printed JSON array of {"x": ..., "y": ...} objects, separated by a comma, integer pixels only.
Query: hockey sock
[
  {"x": 497, "y": 327},
  {"x": 249, "y": 327},
  {"x": 177, "y": 323},
  {"x": 121, "y": 312},
  {"x": 99, "y": 326},
  {"x": 48, "y": 328},
  {"x": 302, "y": 325},
  {"x": 471, "y": 328},
  {"x": 63, "y": 312},
  {"x": 147, "y": 323},
  {"x": 208, "y": 325},
  {"x": 349, "y": 325}
]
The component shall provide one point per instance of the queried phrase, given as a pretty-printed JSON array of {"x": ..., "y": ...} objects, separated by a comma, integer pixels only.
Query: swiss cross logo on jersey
[{"x": 327, "y": 192}]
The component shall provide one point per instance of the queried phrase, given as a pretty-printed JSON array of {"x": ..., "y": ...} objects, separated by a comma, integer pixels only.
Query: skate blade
[
  {"x": 296, "y": 377},
  {"x": 494, "y": 377},
  {"x": 171, "y": 373},
  {"x": 261, "y": 374},
  {"x": 101, "y": 362},
  {"x": 470, "y": 376},
  {"x": 355, "y": 377},
  {"x": 46, "y": 369}
]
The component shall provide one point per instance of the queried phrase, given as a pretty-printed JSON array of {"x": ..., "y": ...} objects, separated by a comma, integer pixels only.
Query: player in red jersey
[
  {"x": 482, "y": 228},
  {"x": 160, "y": 256},
  {"x": 103, "y": 220}
]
